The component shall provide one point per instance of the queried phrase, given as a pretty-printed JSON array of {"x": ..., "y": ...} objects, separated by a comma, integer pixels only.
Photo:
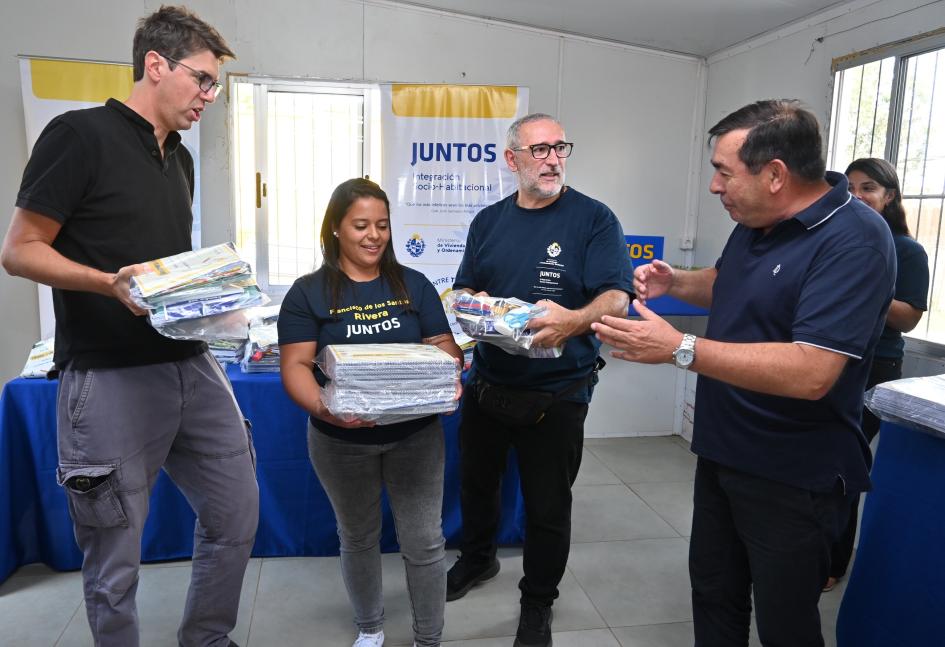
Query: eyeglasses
[
  {"x": 205, "y": 82},
  {"x": 541, "y": 151}
]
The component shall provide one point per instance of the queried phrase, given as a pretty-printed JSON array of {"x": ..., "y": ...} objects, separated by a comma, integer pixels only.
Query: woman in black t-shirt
[{"x": 361, "y": 294}]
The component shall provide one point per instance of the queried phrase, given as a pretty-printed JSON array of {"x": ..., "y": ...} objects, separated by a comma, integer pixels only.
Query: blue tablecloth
[
  {"x": 896, "y": 593},
  {"x": 295, "y": 515}
]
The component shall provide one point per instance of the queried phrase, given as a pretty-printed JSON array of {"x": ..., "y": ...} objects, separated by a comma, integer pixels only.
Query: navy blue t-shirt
[
  {"x": 825, "y": 278},
  {"x": 912, "y": 287},
  {"x": 369, "y": 313},
  {"x": 567, "y": 252}
]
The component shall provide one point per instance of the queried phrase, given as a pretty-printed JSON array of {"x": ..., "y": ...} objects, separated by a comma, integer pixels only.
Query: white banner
[
  {"x": 54, "y": 86},
  {"x": 442, "y": 163}
]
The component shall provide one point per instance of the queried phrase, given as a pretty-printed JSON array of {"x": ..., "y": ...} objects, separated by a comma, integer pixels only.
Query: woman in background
[
  {"x": 355, "y": 459},
  {"x": 874, "y": 181}
]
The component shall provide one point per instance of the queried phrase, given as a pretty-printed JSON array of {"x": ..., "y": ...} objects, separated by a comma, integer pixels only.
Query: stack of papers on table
[
  {"x": 388, "y": 383},
  {"x": 40, "y": 360},
  {"x": 227, "y": 351},
  {"x": 197, "y": 285},
  {"x": 915, "y": 402}
]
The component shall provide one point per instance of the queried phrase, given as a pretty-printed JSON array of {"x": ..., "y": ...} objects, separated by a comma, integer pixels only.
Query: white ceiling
[{"x": 698, "y": 27}]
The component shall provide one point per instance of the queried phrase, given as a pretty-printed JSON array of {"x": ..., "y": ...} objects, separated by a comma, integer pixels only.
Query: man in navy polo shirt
[
  {"x": 545, "y": 243},
  {"x": 106, "y": 189},
  {"x": 797, "y": 303}
]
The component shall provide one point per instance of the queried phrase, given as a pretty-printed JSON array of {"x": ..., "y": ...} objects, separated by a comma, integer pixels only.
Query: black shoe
[
  {"x": 534, "y": 626},
  {"x": 465, "y": 575}
]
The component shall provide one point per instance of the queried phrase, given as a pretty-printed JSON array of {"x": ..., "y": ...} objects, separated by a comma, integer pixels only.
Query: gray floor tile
[
  {"x": 614, "y": 512},
  {"x": 299, "y": 599},
  {"x": 591, "y": 638},
  {"x": 645, "y": 460},
  {"x": 675, "y": 634},
  {"x": 162, "y": 591},
  {"x": 594, "y": 638},
  {"x": 671, "y": 501},
  {"x": 498, "y": 641},
  {"x": 593, "y": 472},
  {"x": 36, "y": 605},
  {"x": 492, "y": 609},
  {"x": 639, "y": 582}
]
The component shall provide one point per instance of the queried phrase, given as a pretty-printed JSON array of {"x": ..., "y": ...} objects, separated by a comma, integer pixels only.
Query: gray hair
[{"x": 511, "y": 138}]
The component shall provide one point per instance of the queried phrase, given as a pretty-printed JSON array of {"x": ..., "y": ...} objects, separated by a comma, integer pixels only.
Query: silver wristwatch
[{"x": 685, "y": 355}]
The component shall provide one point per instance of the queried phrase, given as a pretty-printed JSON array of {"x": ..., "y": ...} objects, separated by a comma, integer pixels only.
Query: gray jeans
[
  {"x": 117, "y": 428},
  {"x": 412, "y": 471}
]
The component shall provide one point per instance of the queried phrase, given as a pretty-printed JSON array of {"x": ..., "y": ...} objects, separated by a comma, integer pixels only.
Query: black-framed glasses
[
  {"x": 541, "y": 151},
  {"x": 205, "y": 82}
]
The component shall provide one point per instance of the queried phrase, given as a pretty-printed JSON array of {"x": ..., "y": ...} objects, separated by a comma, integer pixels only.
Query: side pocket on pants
[{"x": 92, "y": 498}]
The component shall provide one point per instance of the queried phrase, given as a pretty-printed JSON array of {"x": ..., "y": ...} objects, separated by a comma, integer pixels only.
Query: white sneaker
[{"x": 369, "y": 640}]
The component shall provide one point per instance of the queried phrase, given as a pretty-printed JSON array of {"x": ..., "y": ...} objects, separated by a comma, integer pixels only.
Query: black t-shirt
[
  {"x": 369, "y": 313},
  {"x": 100, "y": 174},
  {"x": 912, "y": 287},
  {"x": 567, "y": 252}
]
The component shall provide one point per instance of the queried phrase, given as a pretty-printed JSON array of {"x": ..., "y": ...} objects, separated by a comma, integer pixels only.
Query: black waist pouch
[{"x": 520, "y": 407}]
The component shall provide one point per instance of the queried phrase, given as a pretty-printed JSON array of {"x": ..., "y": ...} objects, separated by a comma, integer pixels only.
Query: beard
[{"x": 532, "y": 184}]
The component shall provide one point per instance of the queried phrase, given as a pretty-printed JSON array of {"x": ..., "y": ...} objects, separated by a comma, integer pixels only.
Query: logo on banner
[
  {"x": 415, "y": 245},
  {"x": 553, "y": 250}
]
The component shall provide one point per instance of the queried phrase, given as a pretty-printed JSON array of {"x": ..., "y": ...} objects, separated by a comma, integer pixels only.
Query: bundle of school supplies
[
  {"x": 914, "y": 401},
  {"x": 261, "y": 354},
  {"x": 501, "y": 322},
  {"x": 387, "y": 383},
  {"x": 189, "y": 294}
]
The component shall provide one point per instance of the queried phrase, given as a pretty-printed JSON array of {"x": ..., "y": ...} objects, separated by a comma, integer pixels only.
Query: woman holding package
[
  {"x": 360, "y": 295},
  {"x": 874, "y": 181}
]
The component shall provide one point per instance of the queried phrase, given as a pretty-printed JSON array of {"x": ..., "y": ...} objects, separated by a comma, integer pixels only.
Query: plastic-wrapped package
[
  {"x": 501, "y": 322},
  {"x": 187, "y": 292},
  {"x": 262, "y": 348},
  {"x": 228, "y": 325},
  {"x": 917, "y": 402},
  {"x": 388, "y": 383}
]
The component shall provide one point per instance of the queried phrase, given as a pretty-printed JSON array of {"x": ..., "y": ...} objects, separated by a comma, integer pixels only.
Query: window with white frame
[
  {"x": 891, "y": 104},
  {"x": 293, "y": 143}
]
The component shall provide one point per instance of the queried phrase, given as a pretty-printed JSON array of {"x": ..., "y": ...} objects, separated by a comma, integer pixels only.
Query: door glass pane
[{"x": 314, "y": 142}]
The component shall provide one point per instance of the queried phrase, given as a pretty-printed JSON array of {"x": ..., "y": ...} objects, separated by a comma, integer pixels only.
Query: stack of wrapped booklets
[
  {"x": 917, "y": 402},
  {"x": 501, "y": 322},
  {"x": 261, "y": 354},
  {"x": 227, "y": 351},
  {"x": 189, "y": 295},
  {"x": 388, "y": 383}
]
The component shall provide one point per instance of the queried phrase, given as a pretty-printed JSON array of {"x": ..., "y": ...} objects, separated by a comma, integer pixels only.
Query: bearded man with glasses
[
  {"x": 550, "y": 244},
  {"x": 106, "y": 189}
]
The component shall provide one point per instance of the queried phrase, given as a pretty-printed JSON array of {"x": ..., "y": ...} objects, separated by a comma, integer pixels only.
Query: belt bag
[{"x": 519, "y": 407}]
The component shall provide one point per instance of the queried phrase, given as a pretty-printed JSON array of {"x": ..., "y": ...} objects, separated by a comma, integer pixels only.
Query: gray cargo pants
[{"x": 117, "y": 428}]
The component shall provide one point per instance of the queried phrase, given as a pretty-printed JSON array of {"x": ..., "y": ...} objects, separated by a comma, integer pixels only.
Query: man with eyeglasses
[
  {"x": 545, "y": 243},
  {"x": 106, "y": 189}
]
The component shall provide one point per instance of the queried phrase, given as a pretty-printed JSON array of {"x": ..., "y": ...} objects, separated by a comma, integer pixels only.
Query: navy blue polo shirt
[
  {"x": 825, "y": 278},
  {"x": 568, "y": 252}
]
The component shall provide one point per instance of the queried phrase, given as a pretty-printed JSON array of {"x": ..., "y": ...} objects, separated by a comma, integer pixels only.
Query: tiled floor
[{"x": 627, "y": 583}]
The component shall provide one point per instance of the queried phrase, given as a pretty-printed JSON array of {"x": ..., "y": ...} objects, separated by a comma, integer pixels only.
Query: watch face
[{"x": 684, "y": 357}]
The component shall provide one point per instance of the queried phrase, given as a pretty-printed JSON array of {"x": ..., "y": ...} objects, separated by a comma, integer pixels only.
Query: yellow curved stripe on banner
[
  {"x": 464, "y": 101},
  {"x": 80, "y": 81}
]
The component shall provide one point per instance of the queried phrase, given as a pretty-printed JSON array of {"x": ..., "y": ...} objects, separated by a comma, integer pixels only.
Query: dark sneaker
[
  {"x": 534, "y": 626},
  {"x": 465, "y": 575}
]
